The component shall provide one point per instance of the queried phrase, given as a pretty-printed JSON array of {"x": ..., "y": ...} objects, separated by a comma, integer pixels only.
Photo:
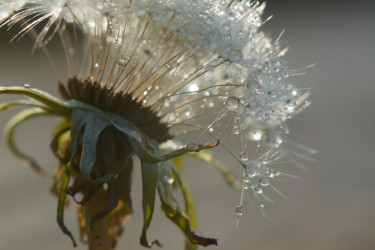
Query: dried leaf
[
  {"x": 61, "y": 203},
  {"x": 149, "y": 181},
  {"x": 93, "y": 128},
  {"x": 182, "y": 221}
]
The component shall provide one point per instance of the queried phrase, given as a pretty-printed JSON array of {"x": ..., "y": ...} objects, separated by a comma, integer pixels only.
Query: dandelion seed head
[{"x": 193, "y": 66}]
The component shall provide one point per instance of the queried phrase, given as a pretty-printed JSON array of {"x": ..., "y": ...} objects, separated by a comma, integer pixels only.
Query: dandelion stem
[{"x": 98, "y": 236}]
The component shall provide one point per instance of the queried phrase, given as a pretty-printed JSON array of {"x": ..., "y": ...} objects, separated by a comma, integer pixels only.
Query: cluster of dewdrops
[{"x": 226, "y": 67}]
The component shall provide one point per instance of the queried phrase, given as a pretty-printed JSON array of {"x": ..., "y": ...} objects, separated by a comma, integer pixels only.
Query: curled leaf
[
  {"x": 9, "y": 135},
  {"x": 54, "y": 104},
  {"x": 61, "y": 203},
  {"x": 182, "y": 221},
  {"x": 93, "y": 128},
  {"x": 149, "y": 181},
  {"x": 29, "y": 103}
]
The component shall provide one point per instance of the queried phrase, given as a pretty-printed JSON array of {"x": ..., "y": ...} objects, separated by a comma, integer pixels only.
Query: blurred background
[{"x": 332, "y": 208}]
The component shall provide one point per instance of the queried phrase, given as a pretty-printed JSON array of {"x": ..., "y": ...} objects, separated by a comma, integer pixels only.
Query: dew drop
[
  {"x": 168, "y": 179},
  {"x": 236, "y": 130},
  {"x": 270, "y": 174},
  {"x": 258, "y": 89},
  {"x": 246, "y": 179},
  {"x": 291, "y": 103},
  {"x": 140, "y": 12},
  {"x": 252, "y": 172},
  {"x": 306, "y": 104},
  {"x": 122, "y": 61},
  {"x": 258, "y": 190},
  {"x": 272, "y": 93},
  {"x": 232, "y": 103},
  {"x": 244, "y": 157},
  {"x": 27, "y": 86},
  {"x": 235, "y": 55},
  {"x": 239, "y": 210},
  {"x": 264, "y": 182},
  {"x": 256, "y": 135},
  {"x": 261, "y": 204}
]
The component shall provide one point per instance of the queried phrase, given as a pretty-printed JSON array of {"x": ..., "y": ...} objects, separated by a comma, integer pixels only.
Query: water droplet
[
  {"x": 122, "y": 61},
  {"x": 270, "y": 174},
  {"x": 211, "y": 129},
  {"x": 96, "y": 65},
  {"x": 264, "y": 182},
  {"x": 258, "y": 190},
  {"x": 261, "y": 204},
  {"x": 140, "y": 12},
  {"x": 258, "y": 89},
  {"x": 256, "y": 135},
  {"x": 236, "y": 130},
  {"x": 306, "y": 104},
  {"x": 235, "y": 55},
  {"x": 272, "y": 93},
  {"x": 232, "y": 103},
  {"x": 245, "y": 186},
  {"x": 168, "y": 179},
  {"x": 239, "y": 210},
  {"x": 252, "y": 172},
  {"x": 246, "y": 178},
  {"x": 193, "y": 87},
  {"x": 291, "y": 103},
  {"x": 244, "y": 157},
  {"x": 27, "y": 86}
]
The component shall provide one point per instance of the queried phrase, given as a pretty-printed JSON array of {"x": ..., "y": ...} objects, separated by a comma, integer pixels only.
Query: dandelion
[{"x": 142, "y": 76}]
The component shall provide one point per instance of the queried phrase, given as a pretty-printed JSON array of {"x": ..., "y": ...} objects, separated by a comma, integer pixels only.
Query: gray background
[{"x": 332, "y": 208}]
